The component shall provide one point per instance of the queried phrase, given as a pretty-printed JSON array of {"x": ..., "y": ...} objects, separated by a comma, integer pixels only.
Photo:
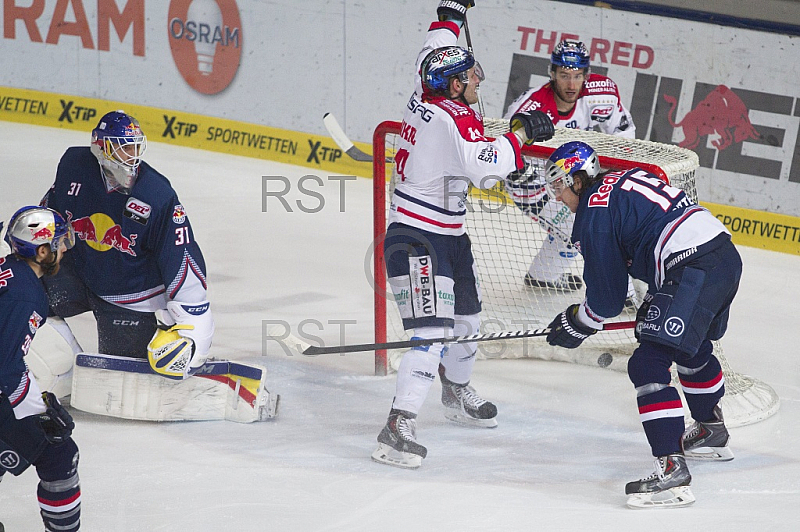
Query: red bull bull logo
[
  {"x": 722, "y": 112},
  {"x": 88, "y": 228},
  {"x": 45, "y": 233},
  {"x": 567, "y": 163},
  {"x": 34, "y": 322}
]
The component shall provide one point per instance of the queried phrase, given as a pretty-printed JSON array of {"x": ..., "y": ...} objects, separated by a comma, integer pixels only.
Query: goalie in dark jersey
[{"x": 135, "y": 255}]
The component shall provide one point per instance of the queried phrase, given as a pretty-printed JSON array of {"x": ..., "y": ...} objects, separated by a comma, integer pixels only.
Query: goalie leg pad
[{"x": 127, "y": 388}]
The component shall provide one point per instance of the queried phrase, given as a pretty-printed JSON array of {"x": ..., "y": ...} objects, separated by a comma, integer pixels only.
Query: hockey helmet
[
  {"x": 30, "y": 227},
  {"x": 443, "y": 63},
  {"x": 565, "y": 162},
  {"x": 118, "y": 143},
  {"x": 570, "y": 54}
]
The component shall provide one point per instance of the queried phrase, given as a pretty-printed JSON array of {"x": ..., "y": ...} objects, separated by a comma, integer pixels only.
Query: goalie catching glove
[
  {"x": 566, "y": 330},
  {"x": 532, "y": 126},
  {"x": 180, "y": 347}
]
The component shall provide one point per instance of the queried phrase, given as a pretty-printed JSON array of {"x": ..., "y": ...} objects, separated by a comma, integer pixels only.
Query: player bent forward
[
  {"x": 34, "y": 427},
  {"x": 429, "y": 259},
  {"x": 631, "y": 222}
]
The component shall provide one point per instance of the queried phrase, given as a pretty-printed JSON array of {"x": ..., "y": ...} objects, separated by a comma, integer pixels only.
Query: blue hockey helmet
[
  {"x": 443, "y": 63},
  {"x": 118, "y": 143},
  {"x": 570, "y": 54},
  {"x": 31, "y": 226},
  {"x": 565, "y": 162}
]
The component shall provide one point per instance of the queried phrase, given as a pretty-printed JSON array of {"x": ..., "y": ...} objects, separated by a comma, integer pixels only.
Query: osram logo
[
  {"x": 205, "y": 37},
  {"x": 603, "y": 194}
]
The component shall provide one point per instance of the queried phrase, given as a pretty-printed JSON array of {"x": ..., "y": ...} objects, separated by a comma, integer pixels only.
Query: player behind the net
[
  {"x": 574, "y": 98},
  {"x": 633, "y": 223},
  {"x": 34, "y": 427},
  {"x": 442, "y": 151}
]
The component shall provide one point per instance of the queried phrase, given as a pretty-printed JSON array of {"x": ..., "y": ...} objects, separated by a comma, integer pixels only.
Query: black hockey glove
[
  {"x": 454, "y": 9},
  {"x": 537, "y": 125},
  {"x": 641, "y": 315},
  {"x": 55, "y": 421},
  {"x": 525, "y": 175},
  {"x": 566, "y": 330}
]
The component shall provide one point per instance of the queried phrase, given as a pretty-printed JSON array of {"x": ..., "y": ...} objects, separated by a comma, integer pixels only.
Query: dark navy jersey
[
  {"x": 632, "y": 223},
  {"x": 23, "y": 309},
  {"x": 134, "y": 250}
]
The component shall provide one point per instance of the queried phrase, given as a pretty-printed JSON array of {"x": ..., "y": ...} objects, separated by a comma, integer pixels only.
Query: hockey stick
[
  {"x": 469, "y": 47},
  {"x": 341, "y": 139},
  {"x": 505, "y": 335}
]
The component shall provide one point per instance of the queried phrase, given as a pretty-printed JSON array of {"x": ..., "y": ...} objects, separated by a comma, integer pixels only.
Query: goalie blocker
[{"x": 128, "y": 388}]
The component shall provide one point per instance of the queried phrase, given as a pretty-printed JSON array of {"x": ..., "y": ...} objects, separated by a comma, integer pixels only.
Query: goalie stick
[
  {"x": 343, "y": 141},
  {"x": 504, "y": 335}
]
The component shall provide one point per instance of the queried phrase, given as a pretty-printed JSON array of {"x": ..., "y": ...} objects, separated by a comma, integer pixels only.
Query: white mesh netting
[{"x": 505, "y": 240}]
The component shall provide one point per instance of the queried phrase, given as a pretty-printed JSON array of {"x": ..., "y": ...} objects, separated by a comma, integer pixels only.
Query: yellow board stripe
[
  {"x": 185, "y": 129},
  {"x": 759, "y": 229}
]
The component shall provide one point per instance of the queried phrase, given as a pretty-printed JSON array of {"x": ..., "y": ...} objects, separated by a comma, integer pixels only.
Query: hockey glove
[
  {"x": 567, "y": 331},
  {"x": 55, "y": 421},
  {"x": 536, "y": 125},
  {"x": 454, "y": 9}
]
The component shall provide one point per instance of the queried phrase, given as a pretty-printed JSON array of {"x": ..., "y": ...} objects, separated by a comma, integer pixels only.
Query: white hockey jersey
[
  {"x": 441, "y": 151},
  {"x": 598, "y": 106}
]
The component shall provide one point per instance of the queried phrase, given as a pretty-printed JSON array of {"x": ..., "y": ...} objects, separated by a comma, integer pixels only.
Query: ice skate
[
  {"x": 667, "y": 487},
  {"x": 397, "y": 442},
  {"x": 708, "y": 440},
  {"x": 464, "y": 405},
  {"x": 567, "y": 282}
]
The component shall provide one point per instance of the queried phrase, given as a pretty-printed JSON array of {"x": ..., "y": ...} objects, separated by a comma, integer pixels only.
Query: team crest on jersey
[
  {"x": 179, "y": 214},
  {"x": 34, "y": 322}
]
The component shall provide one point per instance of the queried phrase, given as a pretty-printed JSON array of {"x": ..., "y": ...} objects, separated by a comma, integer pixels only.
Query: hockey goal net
[{"x": 504, "y": 240}]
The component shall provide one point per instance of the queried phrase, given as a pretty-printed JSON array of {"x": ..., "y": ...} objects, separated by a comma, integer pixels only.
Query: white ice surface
[{"x": 568, "y": 437}]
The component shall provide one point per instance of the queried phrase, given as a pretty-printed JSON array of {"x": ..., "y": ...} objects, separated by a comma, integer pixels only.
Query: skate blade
[
  {"x": 718, "y": 454},
  {"x": 461, "y": 418},
  {"x": 386, "y": 455},
  {"x": 669, "y": 498}
]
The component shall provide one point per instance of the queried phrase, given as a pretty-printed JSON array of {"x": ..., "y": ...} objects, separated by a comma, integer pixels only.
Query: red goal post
[{"x": 503, "y": 245}]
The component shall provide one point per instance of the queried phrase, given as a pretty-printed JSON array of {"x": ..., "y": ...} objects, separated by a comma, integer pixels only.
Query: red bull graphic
[
  {"x": 34, "y": 322},
  {"x": 567, "y": 163},
  {"x": 721, "y": 112},
  {"x": 88, "y": 228},
  {"x": 45, "y": 233}
]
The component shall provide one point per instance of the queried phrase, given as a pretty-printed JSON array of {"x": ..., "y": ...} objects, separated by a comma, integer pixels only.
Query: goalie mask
[
  {"x": 118, "y": 143},
  {"x": 565, "y": 162},
  {"x": 30, "y": 227},
  {"x": 442, "y": 64}
]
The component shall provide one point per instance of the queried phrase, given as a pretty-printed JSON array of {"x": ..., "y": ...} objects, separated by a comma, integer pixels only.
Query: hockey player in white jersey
[
  {"x": 576, "y": 99},
  {"x": 441, "y": 153}
]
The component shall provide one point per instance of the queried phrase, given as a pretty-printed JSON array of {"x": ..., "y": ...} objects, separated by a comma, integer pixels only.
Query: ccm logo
[
  {"x": 600, "y": 198},
  {"x": 139, "y": 207}
]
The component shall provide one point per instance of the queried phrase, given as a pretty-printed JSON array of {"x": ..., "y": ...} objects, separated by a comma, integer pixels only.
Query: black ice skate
[
  {"x": 668, "y": 487},
  {"x": 397, "y": 442},
  {"x": 708, "y": 440},
  {"x": 567, "y": 282},
  {"x": 464, "y": 405}
]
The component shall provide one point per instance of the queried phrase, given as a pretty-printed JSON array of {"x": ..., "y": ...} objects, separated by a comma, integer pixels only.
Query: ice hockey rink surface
[{"x": 568, "y": 439}]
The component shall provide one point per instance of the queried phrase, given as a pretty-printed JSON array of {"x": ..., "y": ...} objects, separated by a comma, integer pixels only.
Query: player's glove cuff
[
  {"x": 567, "y": 331},
  {"x": 454, "y": 9}
]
